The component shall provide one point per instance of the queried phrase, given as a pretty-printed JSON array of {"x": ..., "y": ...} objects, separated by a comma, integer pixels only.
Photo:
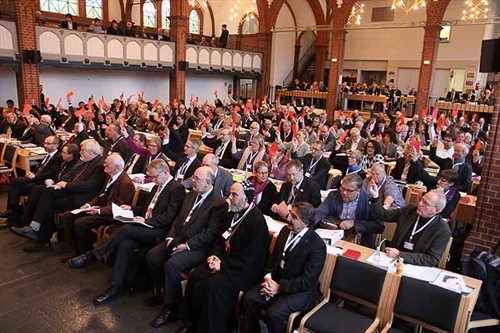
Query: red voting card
[
  {"x": 70, "y": 94},
  {"x": 352, "y": 254}
]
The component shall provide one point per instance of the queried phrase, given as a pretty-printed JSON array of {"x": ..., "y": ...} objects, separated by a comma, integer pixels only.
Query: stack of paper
[
  {"x": 384, "y": 260},
  {"x": 451, "y": 282},
  {"x": 330, "y": 237}
]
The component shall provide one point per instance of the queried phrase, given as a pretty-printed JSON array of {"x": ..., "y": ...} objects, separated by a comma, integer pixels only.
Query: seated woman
[
  {"x": 248, "y": 156},
  {"x": 337, "y": 129},
  {"x": 266, "y": 193},
  {"x": 300, "y": 147},
  {"x": 277, "y": 163},
  {"x": 389, "y": 146},
  {"x": 477, "y": 159},
  {"x": 446, "y": 180},
  {"x": 353, "y": 167},
  {"x": 152, "y": 153},
  {"x": 372, "y": 155}
]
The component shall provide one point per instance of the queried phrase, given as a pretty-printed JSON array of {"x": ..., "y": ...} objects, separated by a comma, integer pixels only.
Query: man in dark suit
[
  {"x": 245, "y": 138},
  {"x": 68, "y": 23},
  {"x": 268, "y": 131},
  {"x": 187, "y": 242},
  {"x": 421, "y": 234},
  {"x": 222, "y": 148},
  {"x": 292, "y": 273},
  {"x": 115, "y": 143},
  {"x": 13, "y": 126},
  {"x": 80, "y": 134},
  {"x": 65, "y": 195},
  {"x": 118, "y": 189},
  {"x": 113, "y": 29},
  {"x": 350, "y": 205},
  {"x": 316, "y": 167},
  {"x": 223, "y": 178},
  {"x": 327, "y": 138},
  {"x": 458, "y": 164},
  {"x": 409, "y": 168},
  {"x": 20, "y": 186},
  {"x": 129, "y": 29},
  {"x": 186, "y": 163},
  {"x": 297, "y": 188},
  {"x": 236, "y": 263},
  {"x": 355, "y": 142},
  {"x": 159, "y": 212},
  {"x": 41, "y": 131},
  {"x": 224, "y": 36}
]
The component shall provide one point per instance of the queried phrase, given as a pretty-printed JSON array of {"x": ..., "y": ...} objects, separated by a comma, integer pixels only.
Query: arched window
[
  {"x": 194, "y": 22},
  {"x": 165, "y": 14},
  {"x": 60, "y": 6},
  {"x": 93, "y": 9},
  {"x": 250, "y": 24},
  {"x": 149, "y": 14}
]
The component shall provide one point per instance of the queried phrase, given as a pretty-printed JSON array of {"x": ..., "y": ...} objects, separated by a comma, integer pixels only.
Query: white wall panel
[
  {"x": 257, "y": 62},
  {"x": 204, "y": 85},
  {"x": 227, "y": 59},
  {"x": 407, "y": 79},
  {"x": 283, "y": 49},
  {"x": 216, "y": 58},
  {"x": 204, "y": 57},
  {"x": 237, "y": 60},
  {"x": 115, "y": 49},
  {"x": 166, "y": 53},
  {"x": 50, "y": 43},
  {"x": 73, "y": 44},
  {"x": 8, "y": 85},
  {"x": 95, "y": 47},
  {"x": 133, "y": 51},
  {"x": 150, "y": 52},
  {"x": 191, "y": 55},
  {"x": 109, "y": 83},
  {"x": 247, "y": 61},
  {"x": 5, "y": 39}
]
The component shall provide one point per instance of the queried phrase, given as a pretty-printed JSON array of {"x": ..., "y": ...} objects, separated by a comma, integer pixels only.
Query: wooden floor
[{"x": 40, "y": 294}]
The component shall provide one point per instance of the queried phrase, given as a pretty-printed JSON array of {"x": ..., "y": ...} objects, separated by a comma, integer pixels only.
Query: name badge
[
  {"x": 249, "y": 167},
  {"x": 226, "y": 234},
  {"x": 282, "y": 264},
  {"x": 308, "y": 174},
  {"x": 408, "y": 246},
  {"x": 180, "y": 178}
]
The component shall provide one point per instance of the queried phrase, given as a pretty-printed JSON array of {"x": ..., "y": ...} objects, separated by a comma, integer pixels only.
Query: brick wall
[{"x": 486, "y": 229}]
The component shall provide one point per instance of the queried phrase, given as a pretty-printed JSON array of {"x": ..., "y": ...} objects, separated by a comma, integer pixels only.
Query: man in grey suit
[
  {"x": 327, "y": 138},
  {"x": 421, "y": 235},
  {"x": 355, "y": 142},
  {"x": 390, "y": 195},
  {"x": 223, "y": 179}
]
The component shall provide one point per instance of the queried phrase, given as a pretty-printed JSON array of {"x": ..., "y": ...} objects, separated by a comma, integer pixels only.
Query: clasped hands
[
  {"x": 269, "y": 288},
  {"x": 213, "y": 263}
]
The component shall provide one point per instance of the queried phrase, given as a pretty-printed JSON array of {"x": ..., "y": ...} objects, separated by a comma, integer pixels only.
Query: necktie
[
  {"x": 149, "y": 212},
  {"x": 43, "y": 164},
  {"x": 293, "y": 195},
  {"x": 183, "y": 168}
]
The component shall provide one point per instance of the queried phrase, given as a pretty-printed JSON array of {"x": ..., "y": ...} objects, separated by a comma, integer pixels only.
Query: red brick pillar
[
  {"x": 265, "y": 46},
  {"x": 435, "y": 12},
  {"x": 427, "y": 66},
  {"x": 337, "y": 46},
  {"x": 28, "y": 78},
  {"x": 179, "y": 28},
  {"x": 486, "y": 230},
  {"x": 319, "y": 62}
]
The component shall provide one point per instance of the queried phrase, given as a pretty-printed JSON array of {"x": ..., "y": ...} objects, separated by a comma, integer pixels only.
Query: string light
[
  {"x": 408, "y": 5},
  {"x": 477, "y": 9},
  {"x": 355, "y": 16},
  {"x": 238, "y": 10}
]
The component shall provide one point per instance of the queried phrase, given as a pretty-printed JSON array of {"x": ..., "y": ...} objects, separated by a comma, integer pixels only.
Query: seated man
[
  {"x": 20, "y": 186},
  {"x": 350, "y": 206},
  {"x": 222, "y": 148},
  {"x": 457, "y": 164},
  {"x": 65, "y": 195},
  {"x": 115, "y": 142},
  {"x": 409, "y": 168},
  {"x": 421, "y": 235},
  {"x": 223, "y": 178},
  {"x": 187, "y": 242},
  {"x": 236, "y": 263},
  {"x": 118, "y": 189},
  {"x": 390, "y": 194},
  {"x": 159, "y": 211},
  {"x": 292, "y": 273},
  {"x": 186, "y": 163},
  {"x": 297, "y": 189},
  {"x": 316, "y": 166}
]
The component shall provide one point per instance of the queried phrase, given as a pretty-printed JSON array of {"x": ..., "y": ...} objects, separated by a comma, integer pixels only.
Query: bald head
[{"x": 211, "y": 161}]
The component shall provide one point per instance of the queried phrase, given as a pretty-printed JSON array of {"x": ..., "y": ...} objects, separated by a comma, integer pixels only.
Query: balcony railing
[
  {"x": 8, "y": 40},
  {"x": 223, "y": 59}
]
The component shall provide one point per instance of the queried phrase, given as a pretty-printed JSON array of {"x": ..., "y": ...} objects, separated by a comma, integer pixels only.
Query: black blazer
[
  {"x": 67, "y": 170},
  {"x": 320, "y": 172},
  {"x": 40, "y": 133},
  {"x": 464, "y": 174},
  {"x": 88, "y": 180},
  {"x": 167, "y": 206},
  {"x": 190, "y": 170},
  {"x": 65, "y": 25},
  {"x": 227, "y": 160},
  {"x": 204, "y": 225},
  {"x": 50, "y": 170},
  {"x": 415, "y": 173},
  {"x": 121, "y": 147},
  {"x": 308, "y": 192},
  {"x": 244, "y": 264},
  {"x": 303, "y": 266},
  {"x": 269, "y": 197}
]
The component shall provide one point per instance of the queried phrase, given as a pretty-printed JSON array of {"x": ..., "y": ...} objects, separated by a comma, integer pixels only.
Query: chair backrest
[
  {"x": 444, "y": 256},
  {"x": 10, "y": 154},
  {"x": 417, "y": 302},
  {"x": 2, "y": 149},
  {"x": 413, "y": 195},
  {"x": 358, "y": 279}
]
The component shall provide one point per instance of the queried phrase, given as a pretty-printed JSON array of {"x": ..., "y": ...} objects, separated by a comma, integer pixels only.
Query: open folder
[{"x": 125, "y": 216}]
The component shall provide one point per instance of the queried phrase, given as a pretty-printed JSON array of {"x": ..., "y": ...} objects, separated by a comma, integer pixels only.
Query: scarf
[
  {"x": 258, "y": 187},
  {"x": 355, "y": 168}
]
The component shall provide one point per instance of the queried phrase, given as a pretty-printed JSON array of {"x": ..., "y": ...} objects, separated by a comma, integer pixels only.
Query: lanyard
[
  {"x": 383, "y": 181},
  {"x": 114, "y": 143},
  {"x": 415, "y": 231},
  {"x": 251, "y": 157},
  {"x": 311, "y": 167},
  {"x": 457, "y": 165},
  {"x": 292, "y": 242}
]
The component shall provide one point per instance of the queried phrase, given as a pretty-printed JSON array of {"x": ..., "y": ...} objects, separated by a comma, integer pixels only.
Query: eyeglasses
[
  {"x": 156, "y": 176},
  {"x": 186, "y": 146},
  {"x": 49, "y": 143},
  {"x": 254, "y": 128},
  {"x": 154, "y": 146},
  {"x": 316, "y": 149},
  {"x": 343, "y": 189}
]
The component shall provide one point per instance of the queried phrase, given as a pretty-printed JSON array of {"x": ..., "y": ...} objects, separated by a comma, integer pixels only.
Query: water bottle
[{"x": 376, "y": 257}]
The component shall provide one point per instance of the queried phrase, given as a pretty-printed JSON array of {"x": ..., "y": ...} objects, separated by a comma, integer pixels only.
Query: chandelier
[
  {"x": 477, "y": 10},
  {"x": 195, "y": 3},
  {"x": 238, "y": 10},
  {"x": 355, "y": 16},
  {"x": 407, "y": 5}
]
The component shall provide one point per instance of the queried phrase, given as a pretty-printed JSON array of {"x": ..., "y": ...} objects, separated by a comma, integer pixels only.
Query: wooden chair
[
  {"x": 9, "y": 157},
  {"x": 413, "y": 195},
  {"x": 416, "y": 303},
  {"x": 355, "y": 281},
  {"x": 444, "y": 257}
]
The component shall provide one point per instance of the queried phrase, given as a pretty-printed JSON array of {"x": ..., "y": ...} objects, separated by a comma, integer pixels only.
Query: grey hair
[
  {"x": 440, "y": 199},
  {"x": 358, "y": 155},
  {"x": 158, "y": 165},
  {"x": 353, "y": 179},
  {"x": 463, "y": 148},
  {"x": 117, "y": 160},
  {"x": 92, "y": 146}
]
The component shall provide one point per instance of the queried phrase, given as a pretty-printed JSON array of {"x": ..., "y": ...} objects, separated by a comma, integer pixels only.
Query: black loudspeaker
[
  {"x": 32, "y": 56},
  {"x": 183, "y": 65},
  {"x": 490, "y": 56}
]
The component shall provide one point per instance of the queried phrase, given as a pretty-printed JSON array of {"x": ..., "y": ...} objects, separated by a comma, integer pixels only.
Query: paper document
[
  {"x": 451, "y": 282},
  {"x": 384, "y": 260},
  {"x": 78, "y": 211},
  {"x": 274, "y": 226},
  {"x": 423, "y": 273},
  {"x": 125, "y": 216}
]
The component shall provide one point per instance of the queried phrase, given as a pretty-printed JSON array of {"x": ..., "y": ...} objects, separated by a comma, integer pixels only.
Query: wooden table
[
  {"x": 366, "y": 98},
  {"x": 26, "y": 159},
  {"x": 466, "y": 209}
]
